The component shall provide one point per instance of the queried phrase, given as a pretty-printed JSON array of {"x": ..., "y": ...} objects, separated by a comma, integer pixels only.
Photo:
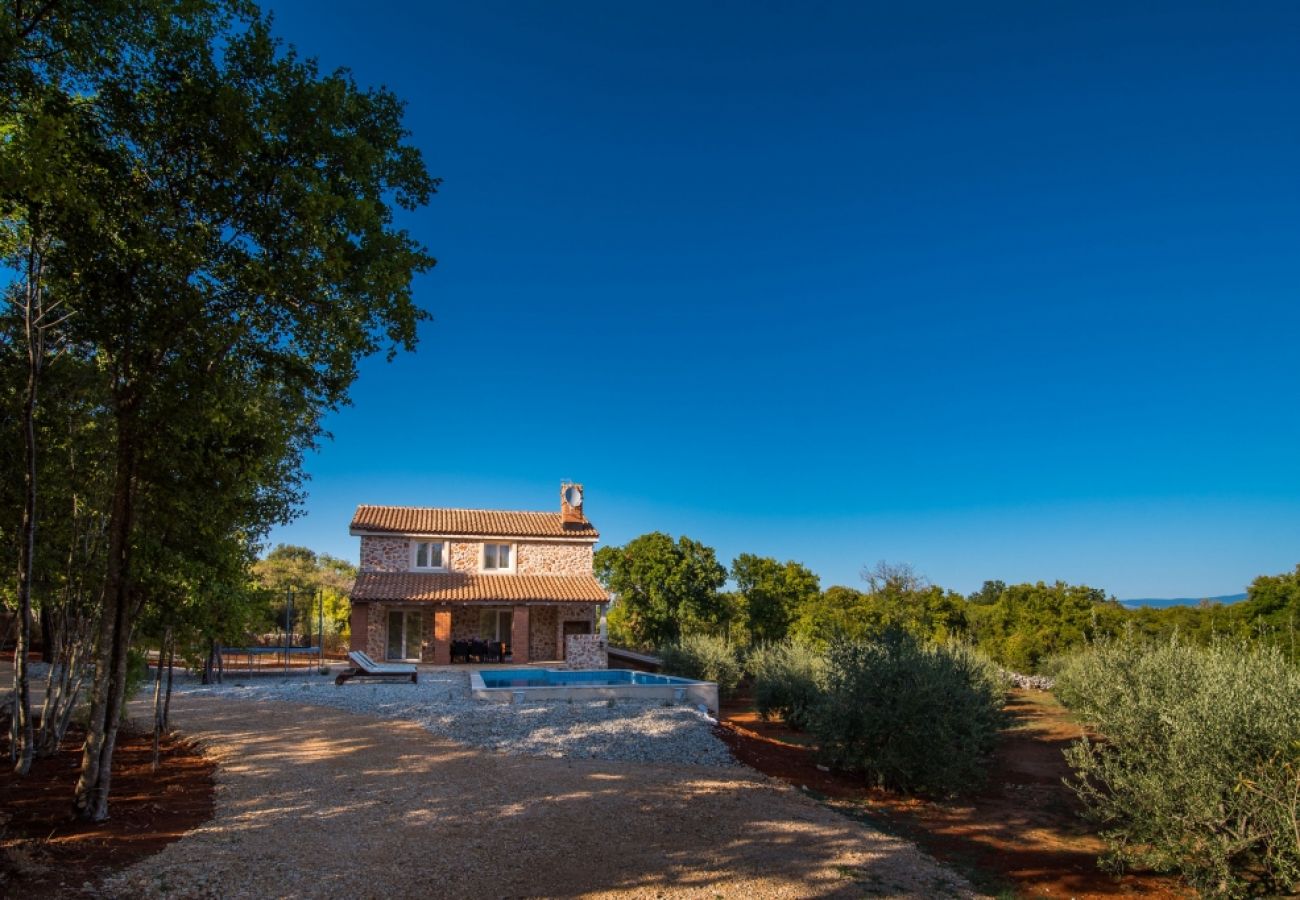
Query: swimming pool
[{"x": 521, "y": 685}]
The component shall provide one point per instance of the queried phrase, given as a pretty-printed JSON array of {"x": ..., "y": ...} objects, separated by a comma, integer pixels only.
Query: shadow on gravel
[{"x": 326, "y": 803}]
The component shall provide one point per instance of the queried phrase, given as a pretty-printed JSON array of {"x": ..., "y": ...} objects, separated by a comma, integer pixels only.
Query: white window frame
[
  {"x": 415, "y": 550},
  {"x": 482, "y": 558}
]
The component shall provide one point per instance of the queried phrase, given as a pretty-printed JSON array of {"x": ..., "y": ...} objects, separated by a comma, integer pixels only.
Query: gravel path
[
  {"x": 320, "y": 802},
  {"x": 619, "y": 730}
]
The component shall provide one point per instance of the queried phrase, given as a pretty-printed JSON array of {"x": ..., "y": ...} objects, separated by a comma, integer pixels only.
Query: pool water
[{"x": 519, "y": 678}]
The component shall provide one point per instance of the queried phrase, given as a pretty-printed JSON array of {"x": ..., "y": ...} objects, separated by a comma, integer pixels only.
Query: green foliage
[
  {"x": 667, "y": 588},
  {"x": 988, "y": 593},
  {"x": 897, "y": 597},
  {"x": 312, "y": 578},
  {"x": 1199, "y": 770},
  {"x": 617, "y": 620},
  {"x": 1271, "y": 611},
  {"x": 837, "y": 612},
  {"x": 214, "y": 218},
  {"x": 704, "y": 657},
  {"x": 137, "y": 673},
  {"x": 770, "y": 593},
  {"x": 909, "y": 715},
  {"x": 788, "y": 680},
  {"x": 1029, "y": 622}
]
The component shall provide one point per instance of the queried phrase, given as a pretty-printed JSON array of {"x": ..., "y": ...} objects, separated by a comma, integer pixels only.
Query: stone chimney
[{"x": 571, "y": 504}]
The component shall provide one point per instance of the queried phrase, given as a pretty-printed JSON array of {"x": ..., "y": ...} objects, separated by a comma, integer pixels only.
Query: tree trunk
[
  {"x": 75, "y": 627},
  {"x": 32, "y": 328},
  {"x": 113, "y": 640},
  {"x": 157, "y": 697},
  {"x": 167, "y": 702},
  {"x": 207, "y": 663}
]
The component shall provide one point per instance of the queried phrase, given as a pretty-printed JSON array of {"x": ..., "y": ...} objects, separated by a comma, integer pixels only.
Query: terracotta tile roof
[
  {"x": 461, "y": 587},
  {"x": 485, "y": 522}
]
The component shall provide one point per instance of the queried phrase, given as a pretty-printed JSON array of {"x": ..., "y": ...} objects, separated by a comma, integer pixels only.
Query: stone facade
[
  {"x": 553, "y": 559},
  {"x": 544, "y": 627},
  {"x": 465, "y": 556},
  {"x": 393, "y": 554},
  {"x": 586, "y": 651},
  {"x": 385, "y": 554},
  {"x": 376, "y": 622},
  {"x": 542, "y": 644},
  {"x": 538, "y": 629}
]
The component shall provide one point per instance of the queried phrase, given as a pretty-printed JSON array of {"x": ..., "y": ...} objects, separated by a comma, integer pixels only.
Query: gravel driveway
[{"x": 320, "y": 802}]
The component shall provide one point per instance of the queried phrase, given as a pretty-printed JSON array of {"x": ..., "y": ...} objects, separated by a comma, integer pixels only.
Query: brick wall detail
[
  {"x": 360, "y": 635},
  {"x": 586, "y": 651},
  {"x": 441, "y": 637},
  {"x": 519, "y": 635}
]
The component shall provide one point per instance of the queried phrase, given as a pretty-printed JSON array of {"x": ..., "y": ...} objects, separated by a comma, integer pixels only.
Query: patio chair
[{"x": 368, "y": 668}]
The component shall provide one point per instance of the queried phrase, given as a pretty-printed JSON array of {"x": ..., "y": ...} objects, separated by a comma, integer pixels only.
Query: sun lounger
[{"x": 368, "y": 668}]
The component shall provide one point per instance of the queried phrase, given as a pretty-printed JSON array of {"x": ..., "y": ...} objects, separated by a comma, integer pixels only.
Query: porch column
[
  {"x": 359, "y": 631},
  {"x": 442, "y": 637},
  {"x": 519, "y": 635}
]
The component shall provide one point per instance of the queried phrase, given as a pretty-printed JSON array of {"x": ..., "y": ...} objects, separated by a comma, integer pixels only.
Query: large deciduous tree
[
  {"x": 234, "y": 260},
  {"x": 771, "y": 593},
  {"x": 666, "y": 587}
]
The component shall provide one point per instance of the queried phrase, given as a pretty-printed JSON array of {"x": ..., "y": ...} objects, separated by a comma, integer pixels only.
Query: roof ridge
[{"x": 512, "y": 512}]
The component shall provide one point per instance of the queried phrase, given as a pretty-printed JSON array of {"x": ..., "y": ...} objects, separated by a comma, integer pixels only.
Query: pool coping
[{"x": 693, "y": 693}]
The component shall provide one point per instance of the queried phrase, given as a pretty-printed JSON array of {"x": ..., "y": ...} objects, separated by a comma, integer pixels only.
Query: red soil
[
  {"x": 45, "y": 852},
  {"x": 1022, "y": 832}
]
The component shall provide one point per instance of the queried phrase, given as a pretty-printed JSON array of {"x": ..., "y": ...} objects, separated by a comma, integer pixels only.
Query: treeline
[
  {"x": 669, "y": 588},
  {"x": 197, "y": 242}
]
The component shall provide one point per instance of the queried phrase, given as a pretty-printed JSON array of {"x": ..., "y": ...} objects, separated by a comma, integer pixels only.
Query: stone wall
[
  {"x": 553, "y": 559},
  {"x": 376, "y": 631},
  {"x": 376, "y": 644},
  {"x": 464, "y": 623},
  {"x": 393, "y": 554},
  {"x": 542, "y": 643},
  {"x": 582, "y": 612},
  {"x": 464, "y": 556},
  {"x": 385, "y": 554},
  {"x": 586, "y": 651},
  {"x": 545, "y": 627}
]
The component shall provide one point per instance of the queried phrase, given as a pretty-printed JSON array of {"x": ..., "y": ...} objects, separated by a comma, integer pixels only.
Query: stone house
[{"x": 430, "y": 576}]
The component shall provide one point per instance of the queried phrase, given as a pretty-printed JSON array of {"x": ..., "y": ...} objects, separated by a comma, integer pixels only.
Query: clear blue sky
[{"x": 1002, "y": 290}]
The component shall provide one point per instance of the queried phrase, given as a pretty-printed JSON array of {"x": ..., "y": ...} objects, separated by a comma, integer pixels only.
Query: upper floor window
[
  {"x": 429, "y": 555},
  {"x": 498, "y": 558}
]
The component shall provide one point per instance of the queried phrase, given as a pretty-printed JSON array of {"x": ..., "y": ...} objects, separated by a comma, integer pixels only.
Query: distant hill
[{"x": 1161, "y": 603}]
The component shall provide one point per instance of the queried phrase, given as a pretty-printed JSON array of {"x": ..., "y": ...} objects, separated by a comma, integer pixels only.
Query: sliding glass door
[
  {"x": 404, "y": 630},
  {"x": 495, "y": 624}
]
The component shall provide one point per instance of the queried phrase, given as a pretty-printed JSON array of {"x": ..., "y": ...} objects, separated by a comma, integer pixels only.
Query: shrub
[
  {"x": 788, "y": 680},
  {"x": 1199, "y": 771},
  {"x": 910, "y": 716},
  {"x": 703, "y": 657},
  {"x": 137, "y": 673}
]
